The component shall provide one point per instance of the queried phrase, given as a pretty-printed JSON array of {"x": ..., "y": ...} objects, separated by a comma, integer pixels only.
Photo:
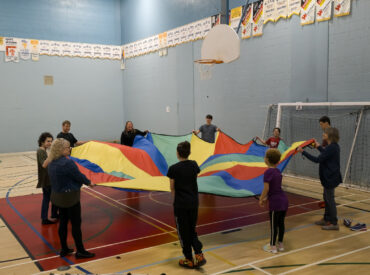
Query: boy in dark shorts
[
  {"x": 278, "y": 201},
  {"x": 184, "y": 187}
]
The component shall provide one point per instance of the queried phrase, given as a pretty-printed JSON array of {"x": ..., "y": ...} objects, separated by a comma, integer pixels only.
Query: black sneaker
[
  {"x": 45, "y": 222},
  {"x": 84, "y": 255},
  {"x": 65, "y": 252}
]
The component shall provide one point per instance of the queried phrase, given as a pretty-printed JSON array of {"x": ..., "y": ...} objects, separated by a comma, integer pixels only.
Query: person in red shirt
[{"x": 272, "y": 142}]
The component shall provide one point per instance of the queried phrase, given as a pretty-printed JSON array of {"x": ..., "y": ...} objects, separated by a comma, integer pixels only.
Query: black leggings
[
  {"x": 186, "y": 221},
  {"x": 73, "y": 214},
  {"x": 277, "y": 226}
]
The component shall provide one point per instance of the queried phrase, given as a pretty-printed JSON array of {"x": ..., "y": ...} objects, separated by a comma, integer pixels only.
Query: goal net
[{"x": 300, "y": 121}]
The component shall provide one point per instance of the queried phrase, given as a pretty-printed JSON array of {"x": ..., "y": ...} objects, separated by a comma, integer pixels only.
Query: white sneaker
[
  {"x": 280, "y": 247},
  {"x": 271, "y": 249}
]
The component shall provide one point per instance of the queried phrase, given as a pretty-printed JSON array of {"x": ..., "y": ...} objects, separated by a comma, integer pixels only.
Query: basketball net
[{"x": 205, "y": 67}]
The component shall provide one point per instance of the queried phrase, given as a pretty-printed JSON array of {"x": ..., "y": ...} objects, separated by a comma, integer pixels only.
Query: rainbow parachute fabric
[{"x": 227, "y": 167}]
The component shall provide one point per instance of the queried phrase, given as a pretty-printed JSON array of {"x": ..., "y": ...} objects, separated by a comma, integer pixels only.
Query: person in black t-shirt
[
  {"x": 324, "y": 124},
  {"x": 184, "y": 187},
  {"x": 129, "y": 134},
  {"x": 66, "y": 127}
]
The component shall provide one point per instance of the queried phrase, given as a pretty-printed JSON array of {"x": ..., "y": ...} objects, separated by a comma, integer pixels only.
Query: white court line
[
  {"x": 213, "y": 233},
  {"x": 265, "y": 212},
  {"x": 325, "y": 260},
  {"x": 143, "y": 196},
  {"x": 204, "y": 207},
  {"x": 126, "y": 199},
  {"x": 260, "y": 269},
  {"x": 290, "y": 252},
  {"x": 117, "y": 243},
  {"x": 133, "y": 209},
  {"x": 352, "y": 187},
  {"x": 126, "y": 241},
  {"x": 94, "y": 248}
]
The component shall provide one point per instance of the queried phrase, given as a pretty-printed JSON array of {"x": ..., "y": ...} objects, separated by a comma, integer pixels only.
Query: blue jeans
[
  {"x": 46, "y": 192},
  {"x": 330, "y": 206}
]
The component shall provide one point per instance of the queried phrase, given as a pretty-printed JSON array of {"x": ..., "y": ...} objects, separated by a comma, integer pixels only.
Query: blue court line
[
  {"x": 215, "y": 248},
  {"x": 34, "y": 229}
]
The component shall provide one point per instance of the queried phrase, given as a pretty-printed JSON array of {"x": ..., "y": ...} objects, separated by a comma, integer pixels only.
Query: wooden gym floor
[{"x": 135, "y": 232}]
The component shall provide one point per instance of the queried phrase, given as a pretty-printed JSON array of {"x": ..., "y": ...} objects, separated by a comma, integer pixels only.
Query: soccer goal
[{"x": 300, "y": 121}]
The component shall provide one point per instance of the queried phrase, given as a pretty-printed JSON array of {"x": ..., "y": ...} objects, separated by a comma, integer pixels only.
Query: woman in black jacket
[
  {"x": 128, "y": 135},
  {"x": 330, "y": 176},
  {"x": 66, "y": 182}
]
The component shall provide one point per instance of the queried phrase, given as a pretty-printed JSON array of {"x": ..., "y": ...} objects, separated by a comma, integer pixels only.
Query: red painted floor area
[{"x": 115, "y": 221}]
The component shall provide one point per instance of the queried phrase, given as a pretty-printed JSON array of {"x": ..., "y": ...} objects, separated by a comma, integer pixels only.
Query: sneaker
[
  {"x": 359, "y": 227},
  {"x": 330, "y": 227},
  {"x": 186, "y": 263},
  {"x": 280, "y": 247},
  {"x": 65, "y": 252},
  {"x": 200, "y": 260},
  {"x": 270, "y": 248},
  {"x": 321, "y": 222},
  {"x": 84, "y": 255},
  {"x": 46, "y": 222},
  {"x": 347, "y": 222}
]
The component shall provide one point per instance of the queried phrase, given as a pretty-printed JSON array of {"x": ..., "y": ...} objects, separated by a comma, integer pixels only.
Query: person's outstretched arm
[
  {"x": 261, "y": 140},
  {"x": 324, "y": 155}
]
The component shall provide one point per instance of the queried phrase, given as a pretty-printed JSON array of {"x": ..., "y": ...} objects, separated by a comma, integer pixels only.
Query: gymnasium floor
[{"x": 135, "y": 232}]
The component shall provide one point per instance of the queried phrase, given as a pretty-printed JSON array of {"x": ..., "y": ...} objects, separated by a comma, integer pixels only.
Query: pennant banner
[
  {"x": 207, "y": 25},
  {"x": 247, "y": 22},
  {"x": 24, "y": 49},
  {"x": 342, "y": 7},
  {"x": 2, "y": 44},
  {"x": 294, "y": 7},
  {"x": 11, "y": 49},
  {"x": 269, "y": 10},
  {"x": 234, "y": 18},
  {"x": 66, "y": 48},
  {"x": 55, "y": 48},
  {"x": 258, "y": 18},
  {"x": 44, "y": 47},
  {"x": 308, "y": 12},
  {"x": 323, "y": 10},
  {"x": 35, "y": 49},
  {"x": 107, "y": 51},
  {"x": 281, "y": 9},
  {"x": 77, "y": 49}
]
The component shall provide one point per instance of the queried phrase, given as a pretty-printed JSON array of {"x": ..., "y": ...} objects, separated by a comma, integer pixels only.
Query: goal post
[{"x": 300, "y": 121}]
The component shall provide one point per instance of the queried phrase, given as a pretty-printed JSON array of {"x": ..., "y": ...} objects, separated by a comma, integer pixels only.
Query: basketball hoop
[{"x": 221, "y": 45}]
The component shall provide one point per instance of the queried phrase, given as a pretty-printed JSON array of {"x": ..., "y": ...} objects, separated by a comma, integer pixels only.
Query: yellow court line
[
  {"x": 136, "y": 216},
  {"x": 220, "y": 258}
]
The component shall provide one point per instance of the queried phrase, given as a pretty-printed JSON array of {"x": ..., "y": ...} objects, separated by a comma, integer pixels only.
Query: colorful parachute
[{"x": 227, "y": 167}]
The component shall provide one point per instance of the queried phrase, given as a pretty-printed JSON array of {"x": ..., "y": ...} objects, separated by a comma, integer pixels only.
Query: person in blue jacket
[
  {"x": 330, "y": 176},
  {"x": 66, "y": 182}
]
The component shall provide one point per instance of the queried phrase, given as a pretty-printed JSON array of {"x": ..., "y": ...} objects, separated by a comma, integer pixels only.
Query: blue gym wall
[
  {"x": 324, "y": 61},
  {"x": 86, "y": 91},
  {"x": 289, "y": 63},
  {"x": 89, "y": 21}
]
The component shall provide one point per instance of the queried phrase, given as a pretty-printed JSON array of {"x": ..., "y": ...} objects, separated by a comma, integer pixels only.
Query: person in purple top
[{"x": 278, "y": 201}]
